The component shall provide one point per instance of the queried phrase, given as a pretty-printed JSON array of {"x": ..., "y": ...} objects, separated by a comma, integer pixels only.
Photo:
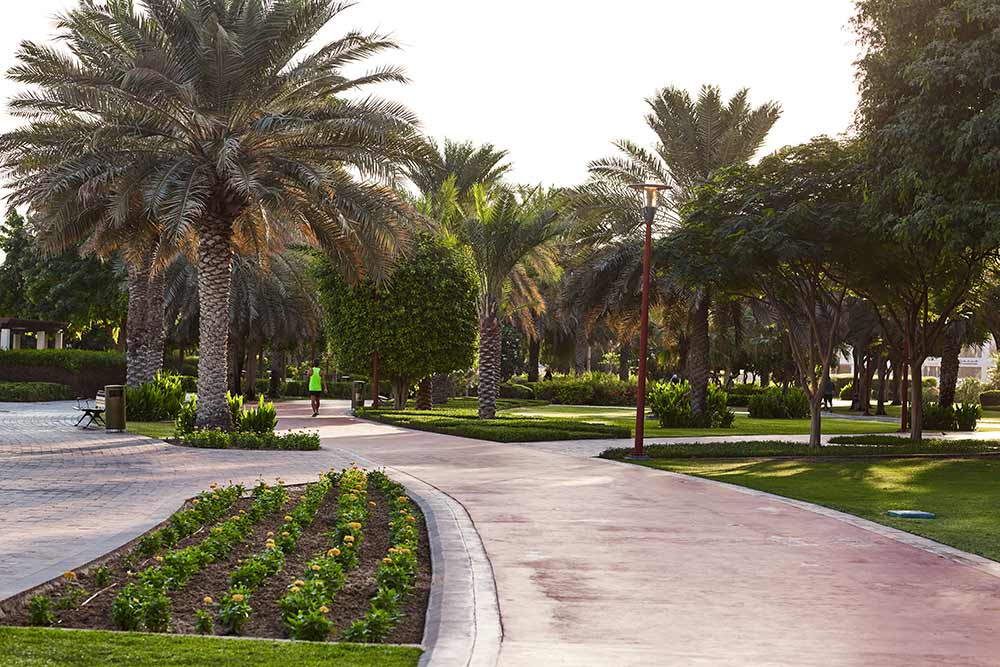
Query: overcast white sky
[{"x": 555, "y": 81}]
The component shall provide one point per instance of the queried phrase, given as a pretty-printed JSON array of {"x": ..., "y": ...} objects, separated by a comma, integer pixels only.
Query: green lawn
[
  {"x": 36, "y": 647},
  {"x": 963, "y": 493},
  {"x": 158, "y": 430},
  {"x": 744, "y": 425}
]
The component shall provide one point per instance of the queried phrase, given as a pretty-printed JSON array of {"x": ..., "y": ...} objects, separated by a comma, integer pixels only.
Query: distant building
[{"x": 974, "y": 362}]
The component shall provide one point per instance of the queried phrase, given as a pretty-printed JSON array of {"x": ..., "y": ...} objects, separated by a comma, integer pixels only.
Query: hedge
[
  {"x": 990, "y": 398},
  {"x": 32, "y": 392},
  {"x": 71, "y": 360},
  {"x": 588, "y": 389},
  {"x": 211, "y": 439}
]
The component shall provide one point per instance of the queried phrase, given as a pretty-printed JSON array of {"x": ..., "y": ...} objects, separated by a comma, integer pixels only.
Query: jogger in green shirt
[{"x": 317, "y": 385}]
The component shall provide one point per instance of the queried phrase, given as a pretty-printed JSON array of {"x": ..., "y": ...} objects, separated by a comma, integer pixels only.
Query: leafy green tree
[
  {"x": 211, "y": 117},
  {"x": 423, "y": 321},
  {"x": 930, "y": 119},
  {"x": 83, "y": 291},
  {"x": 781, "y": 234},
  {"x": 508, "y": 236}
]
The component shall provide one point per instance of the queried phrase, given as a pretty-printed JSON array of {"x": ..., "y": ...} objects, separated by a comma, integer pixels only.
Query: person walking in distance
[{"x": 317, "y": 385}]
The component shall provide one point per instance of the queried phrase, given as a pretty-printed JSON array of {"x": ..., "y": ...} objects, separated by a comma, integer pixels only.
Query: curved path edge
[
  {"x": 462, "y": 626},
  {"x": 980, "y": 563}
]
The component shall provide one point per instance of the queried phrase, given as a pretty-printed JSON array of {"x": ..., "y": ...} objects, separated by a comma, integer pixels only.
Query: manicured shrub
[
  {"x": 155, "y": 401},
  {"x": 33, "y": 392},
  {"x": 671, "y": 403},
  {"x": 961, "y": 417},
  {"x": 587, "y": 389},
  {"x": 519, "y": 391},
  {"x": 738, "y": 395},
  {"x": 261, "y": 420},
  {"x": 990, "y": 399},
  {"x": 776, "y": 403},
  {"x": 71, "y": 360},
  {"x": 214, "y": 439}
]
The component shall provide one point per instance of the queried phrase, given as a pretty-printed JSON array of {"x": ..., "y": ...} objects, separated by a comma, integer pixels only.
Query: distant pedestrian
[
  {"x": 317, "y": 385},
  {"x": 828, "y": 395}
]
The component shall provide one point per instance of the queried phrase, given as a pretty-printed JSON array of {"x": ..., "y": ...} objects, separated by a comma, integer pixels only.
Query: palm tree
[
  {"x": 508, "y": 237},
  {"x": 695, "y": 138},
  {"x": 209, "y": 113}
]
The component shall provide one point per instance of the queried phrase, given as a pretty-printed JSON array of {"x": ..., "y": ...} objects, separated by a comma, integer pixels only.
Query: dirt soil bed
[{"x": 92, "y": 609}]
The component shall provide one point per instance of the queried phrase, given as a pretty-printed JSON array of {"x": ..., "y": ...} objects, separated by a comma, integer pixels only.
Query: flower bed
[{"x": 297, "y": 562}]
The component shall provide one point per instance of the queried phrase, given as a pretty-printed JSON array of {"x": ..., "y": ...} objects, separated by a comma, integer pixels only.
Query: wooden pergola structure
[{"x": 12, "y": 328}]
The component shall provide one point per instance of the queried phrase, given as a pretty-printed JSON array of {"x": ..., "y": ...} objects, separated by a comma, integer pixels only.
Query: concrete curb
[{"x": 463, "y": 626}]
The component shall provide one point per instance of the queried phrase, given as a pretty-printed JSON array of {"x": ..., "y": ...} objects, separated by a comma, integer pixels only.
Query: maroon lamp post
[{"x": 651, "y": 192}]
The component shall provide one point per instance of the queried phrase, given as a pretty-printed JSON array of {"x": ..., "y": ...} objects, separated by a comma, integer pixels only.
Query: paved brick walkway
[{"x": 596, "y": 563}]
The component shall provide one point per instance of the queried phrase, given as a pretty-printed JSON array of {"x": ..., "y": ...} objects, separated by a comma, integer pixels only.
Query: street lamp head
[{"x": 650, "y": 190}]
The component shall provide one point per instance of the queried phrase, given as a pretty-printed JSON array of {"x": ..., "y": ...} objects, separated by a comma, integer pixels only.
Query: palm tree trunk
[
  {"x": 534, "y": 356},
  {"x": 425, "y": 400},
  {"x": 155, "y": 335},
  {"x": 250, "y": 383},
  {"x": 950, "y": 363},
  {"x": 624, "y": 349},
  {"x": 489, "y": 360},
  {"x": 440, "y": 388},
  {"x": 698, "y": 366},
  {"x": 580, "y": 351},
  {"x": 277, "y": 371},
  {"x": 135, "y": 323},
  {"x": 215, "y": 271}
]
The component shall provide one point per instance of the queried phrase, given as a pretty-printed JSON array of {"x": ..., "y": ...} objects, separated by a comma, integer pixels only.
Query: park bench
[{"x": 94, "y": 414}]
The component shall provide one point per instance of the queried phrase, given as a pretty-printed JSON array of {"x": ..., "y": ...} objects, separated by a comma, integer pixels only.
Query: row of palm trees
[{"x": 200, "y": 142}]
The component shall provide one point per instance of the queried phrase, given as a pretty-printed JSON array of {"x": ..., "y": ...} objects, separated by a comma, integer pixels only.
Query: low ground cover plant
[
  {"x": 307, "y": 602},
  {"x": 396, "y": 573}
]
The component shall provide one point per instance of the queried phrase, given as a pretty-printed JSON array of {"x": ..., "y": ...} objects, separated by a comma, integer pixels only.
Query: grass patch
[
  {"x": 963, "y": 493},
  {"x": 872, "y": 445},
  {"x": 158, "y": 430},
  {"x": 743, "y": 424},
  {"x": 507, "y": 427},
  {"x": 37, "y": 647}
]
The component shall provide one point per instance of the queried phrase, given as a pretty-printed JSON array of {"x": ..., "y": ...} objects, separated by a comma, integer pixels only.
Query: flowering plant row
[
  {"x": 215, "y": 439},
  {"x": 144, "y": 603},
  {"x": 306, "y": 604},
  {"x": 398, "y": 570},
  {"x": 207, "y": 508},
  {"x": 235, "y": 608}
]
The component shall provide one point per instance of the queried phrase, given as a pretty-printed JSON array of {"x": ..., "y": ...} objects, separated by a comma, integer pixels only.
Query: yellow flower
[
  {"x": 207, "y": 600},
  {"x": 299, "y": 582},
  {"x": 324, "y": 610},
  {"x": 69, "y": 575},
  {"x": 212, "y": 485},
  {"x": 411, "y": 519},
  {"x": 284, "y": 533},
  {"x": 158, "y": 559},
  {"x": 135, "y": 600},
  {"x": 348, "y": 538},
  {"x": 315, "y": 568},
  {"x": 270, "y": 533},
  {"x": 371, "y": 503},
  {"x": 293, "y": 589},
  {"x": 387, "y": 560},
  {"x": 238, "y": 597},
  {"x": 288, "y": 517},
  {"x": 194, "y": 502},
  {"x": 354, "y": 525},
  {"x": 333, "y": 552},
  {"x": 402, "y": 499}
]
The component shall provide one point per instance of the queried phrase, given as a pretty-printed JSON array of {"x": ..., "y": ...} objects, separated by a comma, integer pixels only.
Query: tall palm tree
[
  {"x": 508, "y": 237},
  {"x": 695, "y": 138},
  {"x": 465, "y": 162},
  {"x": 211, "y": 114}
]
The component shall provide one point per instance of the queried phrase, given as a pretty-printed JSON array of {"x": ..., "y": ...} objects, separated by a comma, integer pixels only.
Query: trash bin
[
  {"x": 114, "y": 407},
  {"x": 358, "y": 394}
]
